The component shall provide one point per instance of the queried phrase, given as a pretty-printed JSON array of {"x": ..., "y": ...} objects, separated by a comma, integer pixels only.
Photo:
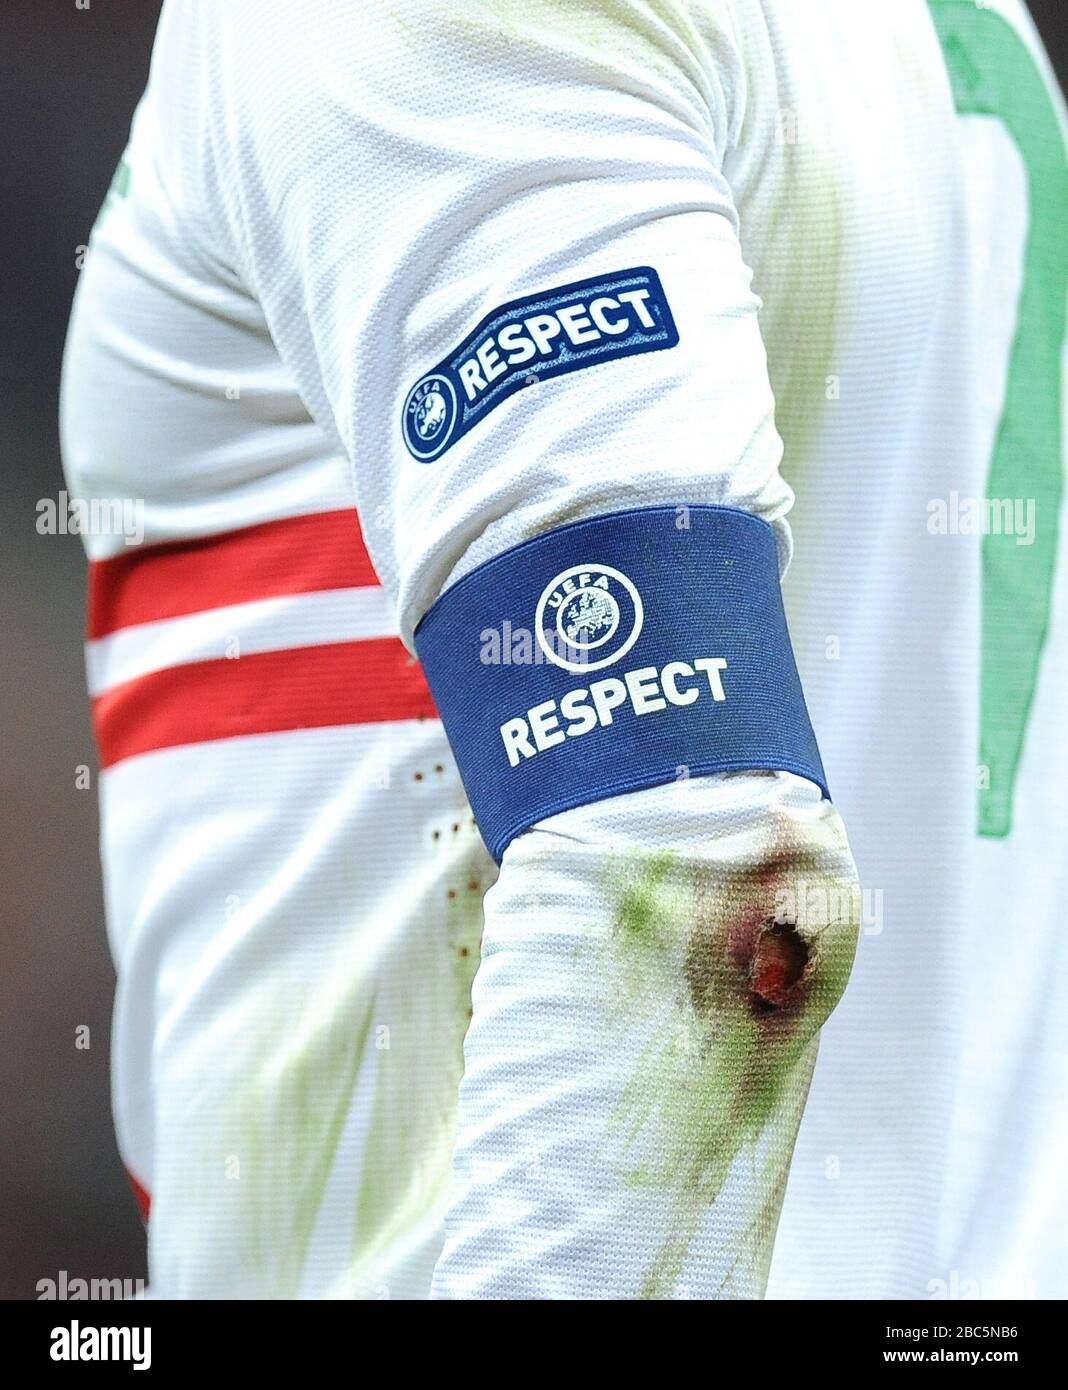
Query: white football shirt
[{"x": 856, "y": 210}]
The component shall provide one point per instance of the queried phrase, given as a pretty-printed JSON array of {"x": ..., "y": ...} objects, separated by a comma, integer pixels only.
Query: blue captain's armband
[{"x": 615, "y": 654}]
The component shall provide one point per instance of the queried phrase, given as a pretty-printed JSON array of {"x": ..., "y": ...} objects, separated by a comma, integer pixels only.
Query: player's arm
[{"x": 498, "y": 247}]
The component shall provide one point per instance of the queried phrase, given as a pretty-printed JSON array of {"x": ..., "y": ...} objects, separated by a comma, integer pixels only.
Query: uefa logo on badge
[
  {"x": 430, "y": 414},
  {"x": 588, "y": 617}
]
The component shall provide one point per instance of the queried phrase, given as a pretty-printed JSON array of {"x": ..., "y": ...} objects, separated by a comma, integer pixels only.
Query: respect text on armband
[{"x": 646, "y": 690}]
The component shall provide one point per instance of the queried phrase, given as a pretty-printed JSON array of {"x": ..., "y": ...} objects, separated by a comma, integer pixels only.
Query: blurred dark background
[{"x": 69, "y": 79}]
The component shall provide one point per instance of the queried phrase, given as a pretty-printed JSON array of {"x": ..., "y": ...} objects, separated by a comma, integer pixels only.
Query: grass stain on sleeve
[{"x": 732, "y": 1000}]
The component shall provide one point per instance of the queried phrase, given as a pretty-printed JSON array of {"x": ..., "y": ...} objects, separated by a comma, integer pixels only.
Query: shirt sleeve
[{"x": 391, "y": 175}]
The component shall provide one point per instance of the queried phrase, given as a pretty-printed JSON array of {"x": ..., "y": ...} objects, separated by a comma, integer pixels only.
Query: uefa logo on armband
[
  {"x": 430, "y": 414},
  {"x": 588, "y": 617}
]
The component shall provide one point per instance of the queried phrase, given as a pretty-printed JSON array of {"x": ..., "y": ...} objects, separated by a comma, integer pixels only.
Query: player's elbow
[
  {"x": 758, "y": 929},
  {"x": 775, "y": 938}
]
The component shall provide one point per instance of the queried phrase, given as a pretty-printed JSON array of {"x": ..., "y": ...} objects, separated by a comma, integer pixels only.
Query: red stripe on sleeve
[
  {"x": 144, "y": 1201},
  {"x": 365, "y": 682},
  {"x": 297, "y": 555}
]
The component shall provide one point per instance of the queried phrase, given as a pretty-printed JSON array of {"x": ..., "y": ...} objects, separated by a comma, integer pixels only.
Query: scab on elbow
[{"x": 777, "y": 941}]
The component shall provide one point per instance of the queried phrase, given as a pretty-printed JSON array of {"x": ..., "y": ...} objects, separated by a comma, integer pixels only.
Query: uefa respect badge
[{"x": 530, "y": 340}]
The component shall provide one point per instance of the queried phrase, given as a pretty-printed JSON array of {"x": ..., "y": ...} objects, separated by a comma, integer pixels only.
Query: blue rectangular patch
[{"x": 529, "y": 340}]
